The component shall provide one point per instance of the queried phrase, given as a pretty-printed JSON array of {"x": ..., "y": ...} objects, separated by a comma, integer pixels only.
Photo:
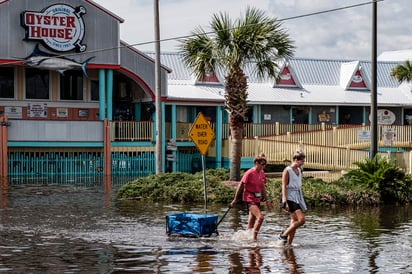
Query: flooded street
[{"x": 82, "y": 229}]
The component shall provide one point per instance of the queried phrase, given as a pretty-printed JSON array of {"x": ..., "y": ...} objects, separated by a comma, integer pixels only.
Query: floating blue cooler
[{"x": 191, "y": 224}]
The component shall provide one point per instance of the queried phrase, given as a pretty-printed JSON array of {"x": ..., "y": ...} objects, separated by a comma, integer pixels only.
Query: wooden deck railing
[
  {"x": 126, "y": 131},
  {"x": 316, "y": 134},
  {"x": 327, "y": 147}
]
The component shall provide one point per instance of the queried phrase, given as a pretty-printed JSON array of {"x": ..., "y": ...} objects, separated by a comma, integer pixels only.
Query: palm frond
[{"x": 402, "y": 72}]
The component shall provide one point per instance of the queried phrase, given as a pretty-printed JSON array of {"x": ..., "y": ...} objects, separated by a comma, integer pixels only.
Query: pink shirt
[{"x": 254, "y": 182}]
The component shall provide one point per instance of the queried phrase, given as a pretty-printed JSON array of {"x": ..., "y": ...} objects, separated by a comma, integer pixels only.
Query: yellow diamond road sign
[{"x": 201, "y": 133}]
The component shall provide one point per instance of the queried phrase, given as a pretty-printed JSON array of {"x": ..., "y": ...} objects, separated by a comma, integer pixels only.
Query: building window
[
  {"x": 37, "y": 83},
  {"x": 94, "y": 90},
  {"x": 71, "y": 85},
  {"x": 6, "y": 82}
]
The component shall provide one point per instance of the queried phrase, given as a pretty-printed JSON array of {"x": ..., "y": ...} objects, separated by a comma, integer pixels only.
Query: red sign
[{"x": 60, "y": 27}]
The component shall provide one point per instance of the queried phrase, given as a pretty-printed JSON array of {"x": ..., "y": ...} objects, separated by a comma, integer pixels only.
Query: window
[
  {"x": 71, "y": 85},
  {"x": 6, "y": 82},
  {"x": 94, "y": 90},
  {"x": 37, "y": 83}
]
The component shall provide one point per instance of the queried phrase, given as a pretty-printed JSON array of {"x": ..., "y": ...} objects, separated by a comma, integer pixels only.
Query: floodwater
[{"x": 83, "y": 229}]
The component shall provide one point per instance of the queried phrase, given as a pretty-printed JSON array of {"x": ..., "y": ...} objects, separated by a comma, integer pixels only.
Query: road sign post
[{"x": 202, "y": 134}]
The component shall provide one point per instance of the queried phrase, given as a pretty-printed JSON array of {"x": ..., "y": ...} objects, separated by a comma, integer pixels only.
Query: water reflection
[
  {"x": 253, "y": 265},
  {"x": 290, "y": 260},
  {"x": 83, "y": 229}
]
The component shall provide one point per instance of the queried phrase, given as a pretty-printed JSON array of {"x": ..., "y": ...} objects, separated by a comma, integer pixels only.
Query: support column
[
  {"x": 337, "y": 115},
  {"x": 109, "y": 88},
  {"x": 173, "y": 132},
  {"x": 107, "y": 149},
  {"x": 4, "y": 146},
  {"x": 257, "y": 120},
  {"x": 218, "y": 136},
  {"x": 364, "y": 115},
  {"x": 102, "y": 97},
  {"x": 163, "y": 139},
  {"x": 137, "y": 111},
  {"x": 310, "y": 116}
]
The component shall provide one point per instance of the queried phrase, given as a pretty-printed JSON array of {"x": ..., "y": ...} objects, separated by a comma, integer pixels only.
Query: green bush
[
  {"x": 375, "y": 181},
  {"x": 380, "y": 174},
  {"x": 319, "y": 193},
  {"x": 179, "y": 187}
]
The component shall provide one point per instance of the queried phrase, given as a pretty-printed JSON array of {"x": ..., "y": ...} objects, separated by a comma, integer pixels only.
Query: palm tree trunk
[
  {"x": 236, "y": 136},
  {"x": 236, "y": 103}
]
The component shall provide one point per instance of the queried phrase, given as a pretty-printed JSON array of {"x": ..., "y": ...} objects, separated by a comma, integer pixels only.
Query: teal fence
[
  {"x": 75, "y": 167},
  {"x": 187, "y": 162},
  {"x": 53, "y": 163},
  {"x": 138, "y": 164}
]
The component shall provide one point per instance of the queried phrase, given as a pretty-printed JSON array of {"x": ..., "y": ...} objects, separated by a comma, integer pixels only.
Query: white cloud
[{"x": 343, "y": 34}]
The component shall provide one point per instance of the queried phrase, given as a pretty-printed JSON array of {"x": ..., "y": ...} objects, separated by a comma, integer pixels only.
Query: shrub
[
  {"x": 381, "y": 175},
  {"x": 374, "y": 182},
  {"x": 178, "y": 187}
]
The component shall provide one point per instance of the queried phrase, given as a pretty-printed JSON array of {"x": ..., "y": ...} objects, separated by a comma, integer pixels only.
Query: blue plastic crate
[{"x": 191, "y": 224}]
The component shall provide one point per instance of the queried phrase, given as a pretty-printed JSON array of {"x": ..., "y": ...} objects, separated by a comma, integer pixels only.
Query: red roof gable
[{"x": 286, "y": 78}]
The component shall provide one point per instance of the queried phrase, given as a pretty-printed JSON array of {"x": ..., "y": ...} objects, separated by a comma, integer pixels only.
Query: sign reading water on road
[{"x": 201, "y": 133}]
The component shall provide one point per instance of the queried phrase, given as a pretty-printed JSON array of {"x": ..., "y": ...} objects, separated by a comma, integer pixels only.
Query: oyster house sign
[{"x": 60, "y": 27}]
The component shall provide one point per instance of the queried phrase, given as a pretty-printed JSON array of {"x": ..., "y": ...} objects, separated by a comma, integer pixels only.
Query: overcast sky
[{"x": 341, "y": 34}]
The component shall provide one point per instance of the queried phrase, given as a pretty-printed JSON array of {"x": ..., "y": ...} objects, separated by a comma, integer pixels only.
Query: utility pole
[
  {"x": 159, "y": 154},
  {"x": 374, "y": 105}
]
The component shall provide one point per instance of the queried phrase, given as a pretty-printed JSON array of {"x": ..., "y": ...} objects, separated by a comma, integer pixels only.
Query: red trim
[
  {"x": 139, "y": 80},
  {"x": 11, "y": 62},
  {"x": 191, "y": 101},
  {"x": 103, "y": 66}
]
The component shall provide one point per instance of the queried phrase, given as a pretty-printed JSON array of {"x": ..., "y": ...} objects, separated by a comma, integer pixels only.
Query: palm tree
[
  {"x": 254, "y": 40},
  {"x": 403, "y": 72}
]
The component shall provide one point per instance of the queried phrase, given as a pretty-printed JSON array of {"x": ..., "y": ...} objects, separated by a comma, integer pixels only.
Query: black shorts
[{"x": 293, "y": 206}]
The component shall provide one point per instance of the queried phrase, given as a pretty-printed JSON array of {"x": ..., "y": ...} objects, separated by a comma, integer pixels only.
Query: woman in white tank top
[{"x": 292, "y": 197}]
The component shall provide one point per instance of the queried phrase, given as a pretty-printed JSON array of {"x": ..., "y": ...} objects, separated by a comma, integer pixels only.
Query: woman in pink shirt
[{"x": 253, "y": 187}]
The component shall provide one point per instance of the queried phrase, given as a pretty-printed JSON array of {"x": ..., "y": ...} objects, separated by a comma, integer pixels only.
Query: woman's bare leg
[
  {"x": 258, "y": 220},
  {"x": 297, "y": 219}
]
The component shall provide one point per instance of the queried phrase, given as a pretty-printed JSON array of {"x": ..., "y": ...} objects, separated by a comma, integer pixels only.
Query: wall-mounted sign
[
  {"x": 364, "y": 135},
  {"x": 388, "y": 136},
  {"x": 14, "y": 112},
  {"x": 62, "y": 112},
  {"x": 385, "y": 117},
  {"x": 37, "y": 110},
  {"x": 83, "y": 113},
  {"x": 59, "y": 27},
  {"x": 324, "y": 117}
]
